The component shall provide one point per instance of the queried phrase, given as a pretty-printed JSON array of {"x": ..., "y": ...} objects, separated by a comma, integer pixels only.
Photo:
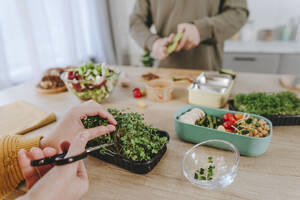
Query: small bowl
[
  {"x": 226, "y": 163},
  {"x": 159, "y": 90},
  {"x": 98, "y": 94}
]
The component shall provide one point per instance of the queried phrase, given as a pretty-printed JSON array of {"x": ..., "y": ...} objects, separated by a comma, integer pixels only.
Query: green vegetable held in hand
[
  {"x": 173, "y": 45},
  {"x": 132, "y": 139},
  {"x": 228, "y": 72}
]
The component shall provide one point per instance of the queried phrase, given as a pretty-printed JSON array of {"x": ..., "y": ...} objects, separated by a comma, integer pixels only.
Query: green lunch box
[{"x": 248, "y": 146}]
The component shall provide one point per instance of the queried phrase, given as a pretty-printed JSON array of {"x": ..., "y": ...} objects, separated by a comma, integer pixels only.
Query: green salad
[
  {"x": 91, "y": 81},
  {"x": 132, "y": 139},
  {"x": 283, "y": 103}
]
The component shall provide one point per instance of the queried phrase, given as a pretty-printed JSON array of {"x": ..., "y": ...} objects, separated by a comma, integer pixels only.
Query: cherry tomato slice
[
  {"x": 232, "y": 119},
  {"x": 226, "y": 116},
  {"x": 228, "y": 125}
]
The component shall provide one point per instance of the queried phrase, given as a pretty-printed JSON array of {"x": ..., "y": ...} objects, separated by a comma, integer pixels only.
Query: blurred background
[{"x": 36, "y": 35}]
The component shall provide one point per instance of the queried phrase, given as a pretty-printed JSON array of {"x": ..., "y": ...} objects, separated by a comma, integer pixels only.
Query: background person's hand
[
  {"x": 71, "y": 124},
  {"x": 68, "y": 182},
  {"x": 190, "y": 38},
  {"x": 159, "y": 48}
]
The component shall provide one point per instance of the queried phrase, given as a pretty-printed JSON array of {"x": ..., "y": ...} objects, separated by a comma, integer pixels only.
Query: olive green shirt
[{"x": 215, "y": 26}]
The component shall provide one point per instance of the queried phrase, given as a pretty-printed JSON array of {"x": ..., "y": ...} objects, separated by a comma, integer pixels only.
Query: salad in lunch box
[
  {"x": 91, "y": 81},
  {"x": 237, "y": 123}
]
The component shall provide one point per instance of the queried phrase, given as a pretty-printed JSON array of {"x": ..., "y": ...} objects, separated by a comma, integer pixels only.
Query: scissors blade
[{"x": 95, "y": 148}]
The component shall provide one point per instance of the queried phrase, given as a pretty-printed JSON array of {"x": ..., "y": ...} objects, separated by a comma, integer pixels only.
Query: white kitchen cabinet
[
  {"x": 252, "y": 62},
  {"x": 290, "y": 64}
]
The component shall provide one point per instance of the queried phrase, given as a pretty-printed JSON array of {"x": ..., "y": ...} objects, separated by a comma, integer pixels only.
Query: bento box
[
  {"x": 248, "y": 146},
  {"x": 210, "y": 89}
]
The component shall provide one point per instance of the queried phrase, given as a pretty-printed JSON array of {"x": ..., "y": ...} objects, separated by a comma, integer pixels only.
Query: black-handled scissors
[{"x": 59, "y": 159}]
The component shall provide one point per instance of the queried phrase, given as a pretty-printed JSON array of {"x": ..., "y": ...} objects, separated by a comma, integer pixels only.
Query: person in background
[
  {"x": 206, "y": 24},
  {"x": 67, "y": 182}
]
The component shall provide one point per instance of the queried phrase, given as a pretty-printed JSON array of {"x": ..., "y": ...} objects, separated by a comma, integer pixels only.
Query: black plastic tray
[
  {"x": 138, "y": 167},
  {"x": 277, "y": 120}
]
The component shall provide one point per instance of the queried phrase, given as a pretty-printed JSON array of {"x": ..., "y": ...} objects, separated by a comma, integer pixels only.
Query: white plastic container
[{"x": 210, "y": 89}]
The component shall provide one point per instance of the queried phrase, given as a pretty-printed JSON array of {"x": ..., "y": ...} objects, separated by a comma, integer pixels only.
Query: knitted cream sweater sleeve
[{"x": 10, "y": 172}]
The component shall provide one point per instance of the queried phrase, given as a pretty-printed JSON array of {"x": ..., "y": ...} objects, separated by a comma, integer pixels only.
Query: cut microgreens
[
  {"x": 201, "y": 175},
  {"x": 210, "y": 159},
  {"x": 132, "y": 139}
]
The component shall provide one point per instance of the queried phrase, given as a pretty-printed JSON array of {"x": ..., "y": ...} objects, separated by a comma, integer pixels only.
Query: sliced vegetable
[
  {"x": 228, "y": 72},
  {"x": 227, "y": 116},
  {"x": 232, "y": 119},
  {"x": 173, "y": 45},
  {"x": 238, "y": 116},
  {"x": 209, "y": 121},
  {"x": 228, "y": 125}
]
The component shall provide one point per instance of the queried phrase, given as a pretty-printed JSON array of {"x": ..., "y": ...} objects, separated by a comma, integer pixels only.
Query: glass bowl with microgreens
[
  {"x": 211, "y": 168},
  {"x": 91, "y": 81}
]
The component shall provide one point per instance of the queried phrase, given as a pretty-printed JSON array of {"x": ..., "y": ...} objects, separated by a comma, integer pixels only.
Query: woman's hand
[
  {"x": 71, "y": 124},
  {"x": 190, "y": 38},
  {"x": 66, "y": 130},
  {"x": 159, "y": 48},
  {"x": 61, "y": 182},
  {"x": 31, "y": 174}
]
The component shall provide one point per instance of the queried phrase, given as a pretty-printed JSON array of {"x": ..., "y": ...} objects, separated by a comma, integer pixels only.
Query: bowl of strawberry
[{"x": 91, "y": 81}]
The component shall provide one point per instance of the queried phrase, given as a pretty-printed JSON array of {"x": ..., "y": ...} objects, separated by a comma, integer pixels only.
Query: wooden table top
[{"x": 273, "y": 175}]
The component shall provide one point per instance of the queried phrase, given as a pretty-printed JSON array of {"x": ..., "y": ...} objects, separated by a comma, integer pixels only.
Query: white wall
[
  {"x": 272, "y": 13},
  {"x": 135, "y": 51},
  {"x": 129, "y": 53}
]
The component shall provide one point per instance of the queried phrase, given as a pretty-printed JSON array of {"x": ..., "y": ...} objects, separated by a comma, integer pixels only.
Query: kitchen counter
[
  {"x": 273, "y": 175},
  {"x": 272, "y": 47}
]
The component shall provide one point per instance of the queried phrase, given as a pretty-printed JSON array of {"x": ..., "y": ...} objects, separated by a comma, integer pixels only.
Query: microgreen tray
[
  {"x": 248, "y": 146},
  {"x": 277, "y": 120},
  {"x": 138, "y": 167}
]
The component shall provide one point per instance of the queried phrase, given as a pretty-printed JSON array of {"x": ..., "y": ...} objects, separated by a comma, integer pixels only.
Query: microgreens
[
  {"x": 201, "y": 175},
  {"x": 282, "y": 103},
  {"x": 132, "y": 139}
]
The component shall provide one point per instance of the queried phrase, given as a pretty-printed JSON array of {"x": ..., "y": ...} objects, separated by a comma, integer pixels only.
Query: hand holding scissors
[
  {"x": 61, "y": 159},
  {"x": 60, "y": 182}
]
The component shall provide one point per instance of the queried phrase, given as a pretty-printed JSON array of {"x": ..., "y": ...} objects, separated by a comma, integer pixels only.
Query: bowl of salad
[{"x": 91, "y": 81}]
